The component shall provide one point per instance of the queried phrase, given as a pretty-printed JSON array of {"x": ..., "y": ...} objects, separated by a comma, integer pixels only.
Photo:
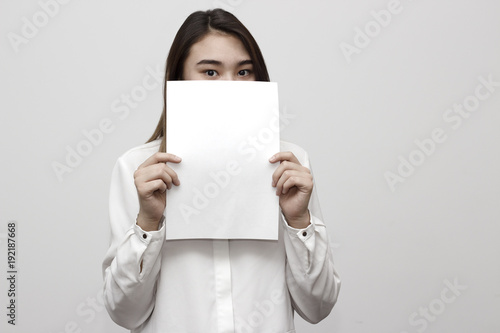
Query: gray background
[{"x": 396, "y": 251}]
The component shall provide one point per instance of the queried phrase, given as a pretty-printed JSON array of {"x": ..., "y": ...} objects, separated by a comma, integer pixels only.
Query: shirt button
[
  {"x": 144, "y": 236},
  {"x": 304, "y": 233}
]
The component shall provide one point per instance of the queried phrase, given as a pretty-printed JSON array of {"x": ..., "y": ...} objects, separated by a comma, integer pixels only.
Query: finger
[
  {"x": 286, "y": 165},
  {"x": 146, "y": 189},
  {"x": 287, "y": 174},
  {"x": 158, "y": 185},
  {"x": 157, "y": 171},
  {"x": 304, "y": 184},
  {"x": 284, "y": 156},
  {"x": 166, "y": 173},
  {"x": 144, "y": 180},
  {"x": 173, "y": 175},
  {"x": 166, "y": 178},
  {"x": 160, "y": 158}
]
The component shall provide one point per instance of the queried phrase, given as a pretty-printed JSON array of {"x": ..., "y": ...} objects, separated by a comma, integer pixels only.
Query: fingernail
[{"x": 272, "y": 158}]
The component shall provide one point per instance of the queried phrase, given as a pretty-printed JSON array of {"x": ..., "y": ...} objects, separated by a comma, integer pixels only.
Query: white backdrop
[{"x": 397, "y": 103}]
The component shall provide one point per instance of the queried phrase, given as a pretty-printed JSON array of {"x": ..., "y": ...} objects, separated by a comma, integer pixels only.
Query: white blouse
[{"x": 208, "y": 285}]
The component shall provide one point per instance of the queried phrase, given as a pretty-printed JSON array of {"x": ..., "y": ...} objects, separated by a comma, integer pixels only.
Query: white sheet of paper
[{"x": 225, "y": 132}]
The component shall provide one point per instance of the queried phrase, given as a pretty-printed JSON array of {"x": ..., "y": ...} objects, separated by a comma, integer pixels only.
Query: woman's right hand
[{"x": 152, "y": 179}]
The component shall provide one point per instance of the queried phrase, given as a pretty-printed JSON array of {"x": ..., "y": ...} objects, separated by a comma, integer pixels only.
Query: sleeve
[
  {"x": 132, "y": 264},
  {"x": 311, "y": 278}
]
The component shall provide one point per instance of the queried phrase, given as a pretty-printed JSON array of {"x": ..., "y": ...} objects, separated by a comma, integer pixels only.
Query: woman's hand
[
  {"x": 152, "y": 179},
  {"x": 294, "y": 184}
]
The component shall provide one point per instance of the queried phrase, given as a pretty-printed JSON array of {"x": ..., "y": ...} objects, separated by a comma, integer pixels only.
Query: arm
[
  {"x": 132, "y": 264},
  {"x": 311, "y": 278}
]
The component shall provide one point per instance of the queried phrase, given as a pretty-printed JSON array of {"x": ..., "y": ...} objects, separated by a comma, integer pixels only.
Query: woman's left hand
[{"x": 294, "y": 185}]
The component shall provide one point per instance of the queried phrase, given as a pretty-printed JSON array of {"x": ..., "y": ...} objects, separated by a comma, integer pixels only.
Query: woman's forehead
[{"x": 221, "y": 47}]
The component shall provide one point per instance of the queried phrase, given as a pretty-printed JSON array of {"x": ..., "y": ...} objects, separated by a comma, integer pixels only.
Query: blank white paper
[{"x": 225, "y": 132}]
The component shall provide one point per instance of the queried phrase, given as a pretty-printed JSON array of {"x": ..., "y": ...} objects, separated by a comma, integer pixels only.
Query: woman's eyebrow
[
  {"x": 219, "y": 63},
  {"x": 209, "y": 62},
  {"x": 245, "y": 62}
]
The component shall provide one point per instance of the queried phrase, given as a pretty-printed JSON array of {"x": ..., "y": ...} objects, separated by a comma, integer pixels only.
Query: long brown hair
[{"x": 194, "y": 28}]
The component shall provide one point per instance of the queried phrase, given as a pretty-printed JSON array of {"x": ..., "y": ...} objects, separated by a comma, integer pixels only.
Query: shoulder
[{"x": 298, "y": 151}]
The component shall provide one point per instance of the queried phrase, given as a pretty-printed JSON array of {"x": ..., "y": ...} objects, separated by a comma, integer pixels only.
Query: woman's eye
[
  {"x": 244, "y": 72},
  {"x": 211, "y": 72}
]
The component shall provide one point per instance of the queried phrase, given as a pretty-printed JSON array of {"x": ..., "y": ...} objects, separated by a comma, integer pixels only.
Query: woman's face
[{"x": 218, "y": 56}]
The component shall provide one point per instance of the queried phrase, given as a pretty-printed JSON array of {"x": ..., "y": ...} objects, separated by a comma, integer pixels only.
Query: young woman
[{"x": 203, "y": 285}]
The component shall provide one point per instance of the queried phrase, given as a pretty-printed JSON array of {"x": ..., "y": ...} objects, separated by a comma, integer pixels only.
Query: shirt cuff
[
  {"x": 148, "y": 236},
  {"x": 303, "y": 234}
]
